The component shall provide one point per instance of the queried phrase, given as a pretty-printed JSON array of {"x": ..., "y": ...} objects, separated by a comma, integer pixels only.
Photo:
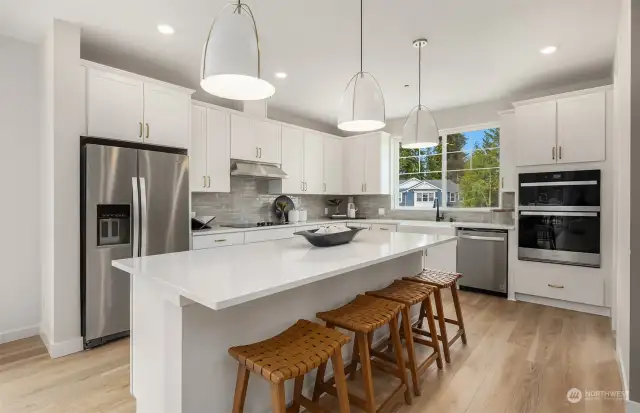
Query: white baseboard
[
  {"x": 19, "y": 334},
  {"x": 633, "y": 407},
  {"x": 567, "y": 305},
  {"x": 63, "y": 348}
]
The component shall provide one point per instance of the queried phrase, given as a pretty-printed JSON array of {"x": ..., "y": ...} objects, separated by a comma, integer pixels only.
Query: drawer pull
[
  {"x": 383, "y": 229},
  {"x": 555, "y": 285},
  {"x": 220, "y": 240}
]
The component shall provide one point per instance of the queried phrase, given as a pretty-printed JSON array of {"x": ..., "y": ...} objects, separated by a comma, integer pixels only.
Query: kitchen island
[{"x": 188, "y": 308}]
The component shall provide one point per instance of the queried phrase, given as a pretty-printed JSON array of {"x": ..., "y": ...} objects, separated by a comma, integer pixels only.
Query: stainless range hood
[{"x": 258, "y": 170}]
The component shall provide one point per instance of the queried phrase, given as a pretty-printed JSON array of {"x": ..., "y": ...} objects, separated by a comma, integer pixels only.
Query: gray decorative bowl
[{"x": 329, "y": 240}]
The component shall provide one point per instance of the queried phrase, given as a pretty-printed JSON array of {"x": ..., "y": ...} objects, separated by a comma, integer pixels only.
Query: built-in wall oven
[{"x": 559, "y": 217}]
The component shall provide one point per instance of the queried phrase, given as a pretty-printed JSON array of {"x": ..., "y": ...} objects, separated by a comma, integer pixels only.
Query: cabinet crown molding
[{"x": 563, "y": 95}]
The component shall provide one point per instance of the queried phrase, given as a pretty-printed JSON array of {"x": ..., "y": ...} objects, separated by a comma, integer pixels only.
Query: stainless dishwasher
[{"x": 482, "y": 260}]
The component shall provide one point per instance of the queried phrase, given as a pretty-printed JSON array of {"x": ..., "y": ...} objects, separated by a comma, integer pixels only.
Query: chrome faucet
[{"x": 438, "y": 216}]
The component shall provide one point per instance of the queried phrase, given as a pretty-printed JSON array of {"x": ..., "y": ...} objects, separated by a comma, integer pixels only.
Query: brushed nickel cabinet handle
[
  {"x": 148, "y": 131},
  {"x": 383, "y": 229},
  {"x": 257, "y": 152},
  {"x": 260, "y": 151},
  {"x": 204, "y": 181},
  {"x": 219, "y": 240},
  {"x": 553, "y": 153},
  {"x": 560, "y": 152},
  {"x": 502, "y": 183},
  {"x": 325, "y": 187},
  {"x": 301, "y": 186},
  {"x": 208, "y": 182},
  {"x": 140, "y": 136},
  {"x": 556, "y": 286}
]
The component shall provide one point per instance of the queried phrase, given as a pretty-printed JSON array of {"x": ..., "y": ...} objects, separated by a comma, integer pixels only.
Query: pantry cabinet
[
  {"x": 209, "y": 151},
  {"x": 568, "y": 128},
  {"x": 508, "y": 176},
  {"x": 367, "y": 164},
  {"x": 129, "y": 107},
  {"x": 255, "y": 140}
]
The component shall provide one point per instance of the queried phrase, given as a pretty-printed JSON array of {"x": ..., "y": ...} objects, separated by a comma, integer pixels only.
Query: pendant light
[
  {"x": 420, "y": 128},
  {"x": 231, "y": 56},
  {"x": 362, "y": 107}
]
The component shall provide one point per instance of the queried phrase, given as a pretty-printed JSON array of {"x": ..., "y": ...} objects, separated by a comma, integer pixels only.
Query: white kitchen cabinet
[
  {"x": 367, "y": 164},
  {"x": 581, "y": 128},
  {"x": 442, "y": 257},
  {"x": 292, "y": 162},
  {"x": 508, "y": 176},
  {"x": 333, "y": 177},
  {"x": 268, "y": 141},
  {"x": 269, "y": 235},
  {"x": 114, "y": 106},
  {"x": 129, "y": 107},
  {"x": 166, "y": 116},
  {"x": 255, "y": 140},
  {"x": 198, "y": 150},
  {"x": 209, "y": 151},
  {"x": 313, "y": 163},
  {"x": 536, "y": 134},
  {"x": 217, "y": 240}
]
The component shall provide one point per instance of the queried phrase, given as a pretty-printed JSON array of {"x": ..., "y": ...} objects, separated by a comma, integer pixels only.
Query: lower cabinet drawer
[
  {"x": 567, "y": 283},
  {"x": 269, "y": 234},
  {"x": 217, "y": 240}
]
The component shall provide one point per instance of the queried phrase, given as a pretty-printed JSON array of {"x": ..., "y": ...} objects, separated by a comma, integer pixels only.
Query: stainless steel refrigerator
[{"x": 134, "y": 203}]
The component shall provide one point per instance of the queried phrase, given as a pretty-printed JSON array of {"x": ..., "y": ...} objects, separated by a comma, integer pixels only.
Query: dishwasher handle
[{"x": 482, "y": 238}]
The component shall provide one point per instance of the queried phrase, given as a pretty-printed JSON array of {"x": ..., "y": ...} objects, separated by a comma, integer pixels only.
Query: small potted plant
[
  {"x": 335, "y": 203},
  {"x": 282, "y": 209}
]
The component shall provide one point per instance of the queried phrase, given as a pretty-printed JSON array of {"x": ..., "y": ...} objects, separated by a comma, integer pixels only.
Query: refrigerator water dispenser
[{"x": 114, "y": 223}]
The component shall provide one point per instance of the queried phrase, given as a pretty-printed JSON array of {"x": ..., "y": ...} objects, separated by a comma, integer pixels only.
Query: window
[{"x": 469, "y": 162}]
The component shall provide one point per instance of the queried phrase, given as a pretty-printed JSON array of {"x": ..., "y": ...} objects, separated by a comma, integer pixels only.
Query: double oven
[{"x": 559, "y": 217}]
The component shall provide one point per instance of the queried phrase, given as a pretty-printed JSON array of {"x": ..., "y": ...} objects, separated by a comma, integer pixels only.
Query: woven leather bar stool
[
  {"x": 363, "y": 316},
  {"x": 290, "y": 355},
  {"x": 440, "y": 280},
  {"x": 411, "y": 293}
]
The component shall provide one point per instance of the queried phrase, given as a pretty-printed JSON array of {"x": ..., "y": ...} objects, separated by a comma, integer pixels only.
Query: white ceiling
[{"x": 479, "y": 50}]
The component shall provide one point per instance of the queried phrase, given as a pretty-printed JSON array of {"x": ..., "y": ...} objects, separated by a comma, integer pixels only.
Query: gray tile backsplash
[{"x": 249, "y": 201}]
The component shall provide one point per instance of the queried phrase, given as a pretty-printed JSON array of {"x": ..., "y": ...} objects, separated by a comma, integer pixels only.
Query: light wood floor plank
[{"x": 521, "y": 358}]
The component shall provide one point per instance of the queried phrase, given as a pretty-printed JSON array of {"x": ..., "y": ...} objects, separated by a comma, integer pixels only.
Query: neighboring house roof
[{"x": 414, "y": 184}]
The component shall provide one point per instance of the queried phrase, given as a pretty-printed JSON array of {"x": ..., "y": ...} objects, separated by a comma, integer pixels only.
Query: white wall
[
  {"x": 60, "y": 157},
  {"x": 20, "y": 186},
  {"x": 622, "y": 138}
]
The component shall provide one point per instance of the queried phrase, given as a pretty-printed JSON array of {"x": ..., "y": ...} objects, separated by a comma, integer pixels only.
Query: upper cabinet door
[
  {"x": 582, "y": 128},
  {"x": 507, "y": 152},
  {"x": 293, "y": 160},
  {"x": 268, "y": 141},
  {"x": 353, "y": 162},
  {"x": 114, "y": 106},
  {"x": 166, "y": 116},
  {"x": 313, "y": 163},
  {"x": 333, "y": 166},
  {"x": 243, "y": 141},
  {"x": 218, "y": 151},
  {"x": 377, "y": 164},
  {"x": 536, "y": 134},
  {"x": 198, "y": 150}
]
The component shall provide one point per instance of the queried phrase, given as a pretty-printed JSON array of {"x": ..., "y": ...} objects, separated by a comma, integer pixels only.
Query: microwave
[{"x": 559, "y": 217}]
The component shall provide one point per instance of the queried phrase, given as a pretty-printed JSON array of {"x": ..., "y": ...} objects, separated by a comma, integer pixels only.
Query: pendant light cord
[
  {"x": 419, "y": 77},
  {"x": 360, "y": 36}
]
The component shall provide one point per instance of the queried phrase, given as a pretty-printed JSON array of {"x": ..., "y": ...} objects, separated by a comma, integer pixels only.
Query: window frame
[{"x": 444, "y": 133}]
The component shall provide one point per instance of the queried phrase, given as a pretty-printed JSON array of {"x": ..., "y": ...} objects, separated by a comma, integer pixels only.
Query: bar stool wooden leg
[
  {"x": 421, "y": 315},
  {"x": 317, "y": 390},
  {"x": 297, "y": 394},
  {"x": 432, "y": 328},
  {"x": 456, "y": 304},
  {"x": 341, "y": 382},
  {"x": 242, "y": 382},
  {"x": 278, "y": 403},
  {"x": 408, "y": 335},
  {"x": 443, "y": 326},
  {"x": 367, "y": 378},
  {"x": 397, "y": 346},
  {"x": 355, "y": 359}
]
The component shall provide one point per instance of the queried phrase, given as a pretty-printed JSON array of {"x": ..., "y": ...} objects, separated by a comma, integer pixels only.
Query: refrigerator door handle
[
  {"x": 136, "y": 217},
  {"x": 143, "y": 218}
]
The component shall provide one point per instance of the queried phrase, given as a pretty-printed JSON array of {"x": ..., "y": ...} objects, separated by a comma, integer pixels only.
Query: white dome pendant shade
[
  {"x": 231, "y": 57},
  {"x": 362, "y": 107},
  {"x": 420, "y": 128}
]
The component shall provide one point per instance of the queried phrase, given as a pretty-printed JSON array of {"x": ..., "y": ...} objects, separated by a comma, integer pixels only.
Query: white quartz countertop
[
  {"x": 445, "y": 224},
  {"x": 219, "y": 278}
]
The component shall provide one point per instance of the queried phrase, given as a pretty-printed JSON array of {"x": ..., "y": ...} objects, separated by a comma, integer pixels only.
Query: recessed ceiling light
[
  {"x": 281, "y": 75},
  {"x": 165, "y": 29},
  {"x": 548, "y": 50}
]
